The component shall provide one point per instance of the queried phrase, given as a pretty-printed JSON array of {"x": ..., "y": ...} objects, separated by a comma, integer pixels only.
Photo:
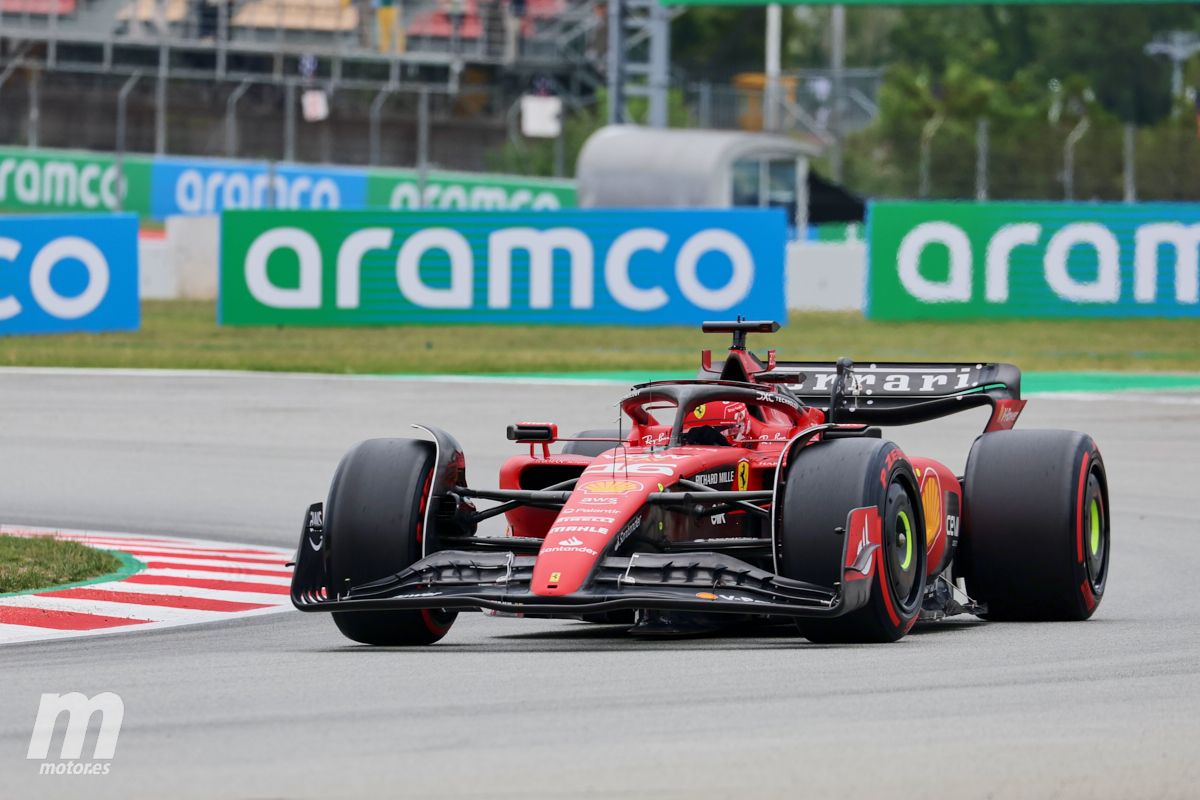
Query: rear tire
[
  {"x": 825, "y": 482},
  {"x": 1035, "y": 539},
  {"x": 592, "y": 449},
  {"x": 374, "y": 517}
]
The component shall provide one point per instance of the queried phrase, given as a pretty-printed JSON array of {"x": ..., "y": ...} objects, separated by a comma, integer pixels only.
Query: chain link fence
[{"x": 1085, "y": 159}]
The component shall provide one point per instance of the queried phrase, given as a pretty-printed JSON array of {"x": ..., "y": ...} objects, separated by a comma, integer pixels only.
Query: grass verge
[
  {"x": 184, "y": 335},
  {"x": 39, "y": 562}
]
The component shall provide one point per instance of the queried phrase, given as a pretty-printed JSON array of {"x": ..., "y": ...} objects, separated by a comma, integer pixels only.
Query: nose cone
[{"x": 596, "y": 514}]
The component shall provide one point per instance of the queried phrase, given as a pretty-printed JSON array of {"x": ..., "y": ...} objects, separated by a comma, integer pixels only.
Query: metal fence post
[
  {"x": 706, "y": 96},
  {"x": 160, "y": 102},
  {"x": 376, "y": 145},
  {"x": 616, "y": 62},
  {"x": 289, "y": 121},
  {"x": 222, "y": 37},
  {"x": 35, "y": 107},
  {"x": 122, "y": 98},
  {"x": 231, "y": 123},
  {"x": 422, "y": 143},
  {"x": 771, "y": 93},
  {"x": 52, "y": 46},
  {"x": 981, "y": 159},
  {"x": 1073, "y": 138},
  {"x": 1130, "y": 151},
  {"x": 837, "y": 65},
  {"x": 928, "y": 131}
]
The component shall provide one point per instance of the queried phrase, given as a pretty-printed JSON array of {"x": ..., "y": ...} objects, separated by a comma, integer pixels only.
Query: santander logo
[{"x": 572, "y": 542}]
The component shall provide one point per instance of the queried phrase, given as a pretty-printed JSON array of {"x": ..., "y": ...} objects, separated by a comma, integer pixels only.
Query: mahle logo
[{"x": 79, "y": 710}]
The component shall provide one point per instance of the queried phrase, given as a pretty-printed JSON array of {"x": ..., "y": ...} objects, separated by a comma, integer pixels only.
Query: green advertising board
[
  {"x": 948, "y": 260},
  {"x": 54, "y": 181},
  {"x": 464, "y": 191},
  {"x": 40, "y": 181},
  {"x": 639, "y": 267}
]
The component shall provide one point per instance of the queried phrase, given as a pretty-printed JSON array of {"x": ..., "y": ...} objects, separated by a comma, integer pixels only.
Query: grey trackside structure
[{"x": 628, "y": 166}]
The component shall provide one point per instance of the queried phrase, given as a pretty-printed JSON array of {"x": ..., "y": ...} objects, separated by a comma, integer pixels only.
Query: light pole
[{"x": 1178, "y": 46}]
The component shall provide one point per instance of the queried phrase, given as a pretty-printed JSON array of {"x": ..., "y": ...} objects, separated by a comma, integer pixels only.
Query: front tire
[
  {"x": 1035, "y": 538},
  {"x": 824, "y": 483},
  {"x": 374, "y": 518}
]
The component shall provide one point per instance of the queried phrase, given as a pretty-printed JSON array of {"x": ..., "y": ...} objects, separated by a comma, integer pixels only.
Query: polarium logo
[{"x": 80, "y": 710}]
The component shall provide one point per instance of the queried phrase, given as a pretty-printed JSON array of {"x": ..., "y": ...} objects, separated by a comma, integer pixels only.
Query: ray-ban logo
[{"x": 80, "y": 710}]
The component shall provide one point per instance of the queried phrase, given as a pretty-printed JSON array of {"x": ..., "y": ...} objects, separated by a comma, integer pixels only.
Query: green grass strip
[
  {"x": 1042, "y": 382},
  {"x": 184, "y": 335},
  {"x": 58, "y": 560}
]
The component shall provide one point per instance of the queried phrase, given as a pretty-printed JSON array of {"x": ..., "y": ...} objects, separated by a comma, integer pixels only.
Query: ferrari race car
[{"x": 763, "y": 491}]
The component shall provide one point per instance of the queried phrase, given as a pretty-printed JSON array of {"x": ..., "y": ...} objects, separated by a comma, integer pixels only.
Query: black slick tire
[{"x": 374, "y": 517}]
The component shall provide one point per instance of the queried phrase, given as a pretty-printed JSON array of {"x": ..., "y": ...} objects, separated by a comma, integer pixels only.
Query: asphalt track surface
[{"x": 282, "y": 706}]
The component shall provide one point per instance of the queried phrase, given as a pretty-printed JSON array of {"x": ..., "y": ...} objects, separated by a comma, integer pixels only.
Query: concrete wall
[
  {"x": 826, "y": 276},
  {"x": 194, "y": 244},
  {"x": 183, "y": 264},
  {"x": 156, "y": 278}
]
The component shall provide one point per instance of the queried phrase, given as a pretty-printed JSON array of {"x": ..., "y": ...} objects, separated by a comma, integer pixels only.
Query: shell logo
[
  {"x": 611, "y": 487},
  {"x": 931, "y": 499}
]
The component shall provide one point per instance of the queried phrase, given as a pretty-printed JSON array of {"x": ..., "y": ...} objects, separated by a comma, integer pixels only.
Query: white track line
[{"x": 308, "y": 376}]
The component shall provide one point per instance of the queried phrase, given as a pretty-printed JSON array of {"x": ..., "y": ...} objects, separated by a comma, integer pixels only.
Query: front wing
[{"x": 500, "y": 581}]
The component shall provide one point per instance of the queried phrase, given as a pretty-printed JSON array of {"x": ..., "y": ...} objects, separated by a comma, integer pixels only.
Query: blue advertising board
[
  {"x": 69, "y": 273},
  {"x": 208, "y": 186},
  {"x": 583, "y": 267}
]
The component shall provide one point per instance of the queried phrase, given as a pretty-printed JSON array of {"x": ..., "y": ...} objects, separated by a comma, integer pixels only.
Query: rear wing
[
  {"x": 899, "y": 393},
  {"x": 871, "y": 393}
]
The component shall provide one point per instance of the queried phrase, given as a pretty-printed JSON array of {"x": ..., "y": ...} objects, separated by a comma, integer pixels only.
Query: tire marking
[
  {"x": 883, "y": 586},
  {"x": 1079, "y": 506}
]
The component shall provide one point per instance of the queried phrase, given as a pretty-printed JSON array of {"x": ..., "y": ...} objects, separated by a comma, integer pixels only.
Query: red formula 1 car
[{"x": 758, "y": 491}]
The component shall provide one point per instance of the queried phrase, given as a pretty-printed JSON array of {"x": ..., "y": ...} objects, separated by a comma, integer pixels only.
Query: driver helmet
[{"x": 725, "y": 417}]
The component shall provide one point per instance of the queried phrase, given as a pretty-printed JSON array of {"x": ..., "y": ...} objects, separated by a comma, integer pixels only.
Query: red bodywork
[{"x": 608, "y": 504}]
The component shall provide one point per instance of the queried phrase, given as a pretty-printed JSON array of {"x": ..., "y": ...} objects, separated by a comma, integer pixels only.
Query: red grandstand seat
[
  {"x": 46, "y": 7},
  {"x": 436, "y": 24}
]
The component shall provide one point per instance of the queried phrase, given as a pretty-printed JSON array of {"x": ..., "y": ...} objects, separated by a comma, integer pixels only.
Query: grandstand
[
  {"x": 225, "y": 77},
  {"x": 63, "y": 64}
]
